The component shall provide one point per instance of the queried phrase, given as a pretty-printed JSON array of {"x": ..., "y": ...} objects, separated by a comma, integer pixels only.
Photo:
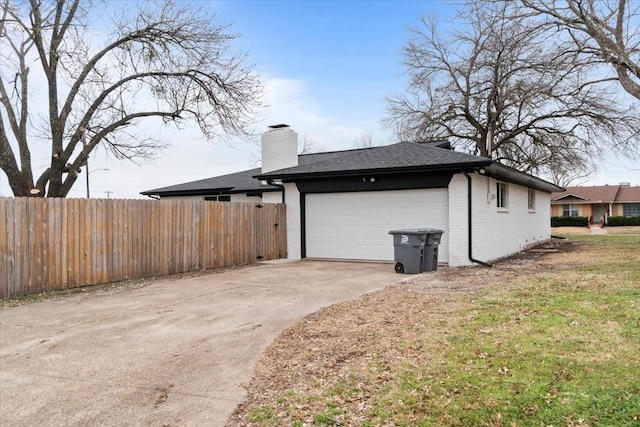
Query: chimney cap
[{"x": 280, "y": 126}]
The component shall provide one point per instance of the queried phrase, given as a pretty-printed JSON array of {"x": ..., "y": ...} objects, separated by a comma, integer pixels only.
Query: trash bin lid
[
  {"x": 435, "y": 231},
  {"x": 411, "y": 231}
]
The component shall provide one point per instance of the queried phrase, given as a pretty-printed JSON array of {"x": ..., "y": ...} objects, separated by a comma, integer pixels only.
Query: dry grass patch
[
  {"x": 614, "y": 231},
  {"x": 539, "y": 339}
]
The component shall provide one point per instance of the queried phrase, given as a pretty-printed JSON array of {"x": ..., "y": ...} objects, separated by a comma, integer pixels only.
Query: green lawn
[
  {"x": 557, "y": 347},
  {"x": 561, "y": 348}
]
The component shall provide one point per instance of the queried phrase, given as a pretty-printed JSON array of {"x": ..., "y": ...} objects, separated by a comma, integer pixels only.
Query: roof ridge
[
  {"x": 392, "y": 156},
  {"x": 615, "y": 196},
  {"x": 342, "y": 151},
  {"x": 430, "y": 144}
]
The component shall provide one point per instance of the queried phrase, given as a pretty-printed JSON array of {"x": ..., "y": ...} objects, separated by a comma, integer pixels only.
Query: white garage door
[{"x": 356, "y": 225}]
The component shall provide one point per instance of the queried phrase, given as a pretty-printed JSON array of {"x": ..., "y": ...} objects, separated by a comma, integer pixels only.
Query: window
[
  {"x": 631, "y": 209},
  {"x": 569, "y": 210},
  {"x": 503, "y": 195},
  {"x": 218, "y": 198},
  {"x": 531, "y": 203}
]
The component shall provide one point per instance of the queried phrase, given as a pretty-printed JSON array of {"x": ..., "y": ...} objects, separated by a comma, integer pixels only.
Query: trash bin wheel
[{"x": 399, "y": 267}]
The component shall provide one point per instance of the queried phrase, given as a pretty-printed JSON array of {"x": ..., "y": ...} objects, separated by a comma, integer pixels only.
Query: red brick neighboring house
[{"x": 597, "y": 202}]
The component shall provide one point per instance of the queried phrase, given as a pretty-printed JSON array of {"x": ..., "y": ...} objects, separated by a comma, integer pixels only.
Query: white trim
[{"x": 569, "y": 195}]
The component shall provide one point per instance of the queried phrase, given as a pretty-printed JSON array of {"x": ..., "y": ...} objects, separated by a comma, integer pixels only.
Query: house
[
  {"x": 597, "y": 202},
  {"x": 341, "y": 205}
]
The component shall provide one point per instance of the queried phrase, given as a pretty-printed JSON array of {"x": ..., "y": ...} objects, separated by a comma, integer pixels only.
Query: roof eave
[
  {"x": 375, "y": 171},
  {"x": 196, "y": 192},
  {"x": 210, "y": 191},
  {"x": 497, "y": 170}
]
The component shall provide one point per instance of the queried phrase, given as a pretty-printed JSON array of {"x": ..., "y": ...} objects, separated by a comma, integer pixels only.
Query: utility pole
[
  {"x": 86, "y": 163},
  {"x": 108, "y": 193}
]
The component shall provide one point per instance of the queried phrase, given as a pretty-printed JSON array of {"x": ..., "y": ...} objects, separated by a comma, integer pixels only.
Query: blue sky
[
  {"x": 327, "y": 67},
  {"x": 346, "y": 53}
]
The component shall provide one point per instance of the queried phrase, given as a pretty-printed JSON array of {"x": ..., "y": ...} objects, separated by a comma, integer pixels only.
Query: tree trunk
[{"x": 19, "y": 185}]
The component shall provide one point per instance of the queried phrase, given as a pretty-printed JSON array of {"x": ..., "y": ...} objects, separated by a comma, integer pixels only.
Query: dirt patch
[
  {"x": 332, "y": 348},
  {"x": 162, "y": 395}
]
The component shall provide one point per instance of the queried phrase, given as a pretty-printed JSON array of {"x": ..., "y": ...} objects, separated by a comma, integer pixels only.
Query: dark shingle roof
[
  {"x": 238, "y": 182},
  {"x": 396, "y": 158},
  {"x": 232, "y": 183},
  {"x": 400, "y": 156}
]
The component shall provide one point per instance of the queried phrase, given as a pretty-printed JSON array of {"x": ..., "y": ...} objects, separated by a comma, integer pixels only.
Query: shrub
[
  {"x": 569, "y": 221},
  {"x": 614, "y": 221}
]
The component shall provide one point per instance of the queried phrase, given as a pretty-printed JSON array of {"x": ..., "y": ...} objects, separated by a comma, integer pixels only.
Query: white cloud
[{"x": 289, "y": 101}]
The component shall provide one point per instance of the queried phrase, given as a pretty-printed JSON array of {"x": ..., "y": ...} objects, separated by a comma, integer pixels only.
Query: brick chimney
[{"x": 279, "y": 148}]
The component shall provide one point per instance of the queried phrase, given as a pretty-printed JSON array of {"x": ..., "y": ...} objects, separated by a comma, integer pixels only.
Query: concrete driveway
[{"x": 173, "y": 353}]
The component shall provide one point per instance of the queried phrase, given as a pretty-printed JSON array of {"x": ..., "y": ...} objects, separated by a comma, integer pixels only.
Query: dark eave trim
[
  {"x": 505, "y": 173},
  {"x": 288, "y": 177},
  {"x": 208, "y": 192},
  {"x": 198, "y": 192}
]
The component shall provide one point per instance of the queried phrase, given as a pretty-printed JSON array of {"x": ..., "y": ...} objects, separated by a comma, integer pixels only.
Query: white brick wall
[
  {"x": 458, "y": 221},
  {"x": 279, "y": 149},
  {"x": 182, "y": 197},
  {"x": 245, "y": 198},
  {"x": 496, "y": 234},
  {"x": 234, "y": 198},
  {"x": 292, "y": 199},
  {"x": 272, "y": 197}
]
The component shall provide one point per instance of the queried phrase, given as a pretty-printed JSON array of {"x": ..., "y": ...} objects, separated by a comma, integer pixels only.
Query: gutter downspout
[
  {"x": 470, "y": 223},
  {"x": 270, "y": 182}
]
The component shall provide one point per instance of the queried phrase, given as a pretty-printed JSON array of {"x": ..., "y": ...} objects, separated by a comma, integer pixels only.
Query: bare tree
[
  {"x": 365, "y": 140},
  {"x": 162, "y": 60},
  {"x": 309, "y": 146},
  {"x": 607, "y": 31},
  {"x": 498, "y": 87},
  {"x": 570, "y": 177}
]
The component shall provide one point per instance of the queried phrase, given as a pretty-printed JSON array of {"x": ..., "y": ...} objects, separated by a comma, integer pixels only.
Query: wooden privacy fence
[{"x": 52, "y": 244}]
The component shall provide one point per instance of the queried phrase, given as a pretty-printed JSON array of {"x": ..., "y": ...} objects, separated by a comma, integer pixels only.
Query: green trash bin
[
  {"x": 408, "y": 249},
  {"x": 430, "y": 257}
]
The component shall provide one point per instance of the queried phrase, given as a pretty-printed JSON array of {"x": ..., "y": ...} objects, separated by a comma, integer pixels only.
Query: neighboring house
[
  {"x": 597, "y": 202},
  {"x": 341, "y": 205}
]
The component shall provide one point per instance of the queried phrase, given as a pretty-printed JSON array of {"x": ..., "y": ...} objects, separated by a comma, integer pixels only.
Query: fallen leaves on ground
[{"x": 335, "y": 347}]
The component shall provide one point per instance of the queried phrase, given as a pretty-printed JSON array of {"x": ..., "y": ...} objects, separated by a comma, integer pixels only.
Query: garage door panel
[{"x": 356, "y": 225}]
